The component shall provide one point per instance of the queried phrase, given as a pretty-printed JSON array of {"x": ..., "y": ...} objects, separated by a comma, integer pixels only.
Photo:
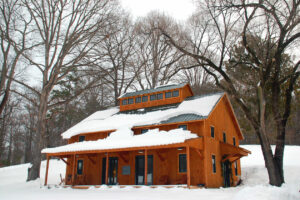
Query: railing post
[
  {"x": 47, "y": 167},
  {"x": 73, "y": 170}
]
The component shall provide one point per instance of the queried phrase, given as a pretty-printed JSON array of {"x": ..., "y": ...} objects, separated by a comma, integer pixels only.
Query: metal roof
[
  {"x": 157, "y": 89},
  {"x": 183, "y": 118}
]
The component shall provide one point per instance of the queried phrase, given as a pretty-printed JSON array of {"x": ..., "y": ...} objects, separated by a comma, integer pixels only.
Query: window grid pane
[
  {"x": 152, "y": 97},
  {"x": 145, "y": 98},
  {"x": 168, "y": 95},
  {"x": 138, "y": 100},
  {"x": 124, "y": 102},
  {"x": 212, "y": 131},
  {"x": 175, "y": 93},
  {"x": 214, "y": 164},
  {"x": 182, "y": 162},
  {"x": 159, "y": 96},
  {"x": 184, "y": 127},
  {"x": 130, "y": 101}
]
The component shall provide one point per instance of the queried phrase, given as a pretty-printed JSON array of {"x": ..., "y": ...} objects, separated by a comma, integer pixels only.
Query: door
[
  {"x": 140, "y": 170},
  {"x": 112, "y": 170},
  {"x": 226, "y": 169}
]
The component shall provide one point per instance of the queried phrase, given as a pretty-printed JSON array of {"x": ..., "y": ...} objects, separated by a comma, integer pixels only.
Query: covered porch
[{"x": 165, "y": 164}]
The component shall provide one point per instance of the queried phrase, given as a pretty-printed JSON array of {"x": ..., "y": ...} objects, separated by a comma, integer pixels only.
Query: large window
[
  {"x": 79, "y": 167},
  {"x": 144, "y": 131},
  {"x": 182, "y": 163},
  {"x": 152, "y": 97},
  {"x": 175, "y": 93},
  {"x": 145, "y": 98},
  {"x": 124, "y": 102},
  {"x": 81, "y": 138},
  {"x": 234, "y": 141},
  {"x": 184, "y": 126},
  {"x": 235, "y": 168},
  {"x": 168, "y": 95},
  {"x": 214, "y": 167},
  {"x": 130, "y": 101},
  {"x": 212, "y": 131},
  {"x": 159, "y": 96},
  {"x": 138, "y": 100},
  {"x": 224, "y": 137}
]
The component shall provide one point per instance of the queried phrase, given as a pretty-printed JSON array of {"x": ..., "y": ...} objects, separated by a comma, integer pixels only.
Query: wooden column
[
  {"x": 73, "y": 170},
  {"x": 106, "y": 170},
  {"x": 146, "y": 166},
  {"x": 47, "y": 167},
  {"x": 188, "y": 173}
]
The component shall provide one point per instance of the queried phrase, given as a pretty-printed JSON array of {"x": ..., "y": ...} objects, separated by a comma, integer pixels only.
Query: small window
[
  {"x": 81, "y": 138},
  {"x": 214, "y": 163},
  {"x": 152, "y": 97},
  {"x": 138, "y": 100},
  {"x": 145, "y": 98},
  {"x": 224, "y": 137},
  {"x": 159, "y": 96},
  {"x": 235, "y": 168},
  {"x": 175, "y": 93},
  {"x": 130, "y": 101},
  {"x": 182, "y": 163},
  {"x": 168, "y": 95},
  {"x": 212, "y": 131},
  {"x": 79, "y": 167},
  {"x": 234, "y": 141},
  {"x": 144, "y": 131},
  {"x": 124, "y": 102},
  {"x": 184, "y": 127}
]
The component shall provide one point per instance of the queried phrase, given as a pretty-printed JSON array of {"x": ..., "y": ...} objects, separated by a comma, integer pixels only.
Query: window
[
  {"x": 144, "y": 131},
  {"x": 124, "y": 102},
  {"x": 79, "y": 167},
  {"x": 130, "y": 101},
  {"x": 168, "y": 95},
  {"x": 224, "y": 137},
  {"x": 159, "y": 96},
  {"x": 184, "y": 127},
  {"x": 138, "y": 100},
  {"x": 182, "y": 163},
  {"x": 212, "y": 131},
  {"x": 152, "y": 97},
  {"x": 145, "y": 98},
  {"x": 214, "y": 163},
  {"x": 235, "y": 168},
  {"x": 234, "y": 141},
  {"x": 175, "y": 93},
  {"x": 81, "y": 138}
]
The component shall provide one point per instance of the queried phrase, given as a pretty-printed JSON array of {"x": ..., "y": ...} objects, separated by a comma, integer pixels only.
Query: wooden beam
[
  {"x": 146, "y": 167},
  {"x": 188, "y": 166},
  {"x": 73, "y": 171},
  {"x": 46, "y": 175},
  {"x": 106, "y": 170},
  {"x": 64, "y": 161},
  {"x": 94, "y": 162},
  {"x": 123, "y": 157},
  {"x": 160, "y": 156},
  {"x": 199, "y": 153}
]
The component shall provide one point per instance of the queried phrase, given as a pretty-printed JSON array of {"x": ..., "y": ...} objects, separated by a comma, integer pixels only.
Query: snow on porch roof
[
  {"x": 112, "y": 119},
  {"x": 124, "y": 138}
]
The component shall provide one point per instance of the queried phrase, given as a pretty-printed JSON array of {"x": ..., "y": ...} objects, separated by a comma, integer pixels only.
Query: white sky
[{"x": 179, "y": 9}]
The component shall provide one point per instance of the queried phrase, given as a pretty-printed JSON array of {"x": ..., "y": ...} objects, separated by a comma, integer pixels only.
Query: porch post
[
  {"x": 188, "y": 166},
  {"x": 73, "y": 170},
  {"x": 47, "y": 167},
  {"x": 146, "y": 166},
  {"x": 106, "y": 170}
]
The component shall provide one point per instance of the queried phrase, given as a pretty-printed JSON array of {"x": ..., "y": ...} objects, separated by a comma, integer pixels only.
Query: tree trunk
[{"x": 34, "y": 170}]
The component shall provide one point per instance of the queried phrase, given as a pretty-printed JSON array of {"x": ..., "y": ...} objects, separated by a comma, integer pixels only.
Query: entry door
[
  {"x": 140, "y": 170},
  {"x": 226, "y": 168},
  {"x": 112, "y": 170}
]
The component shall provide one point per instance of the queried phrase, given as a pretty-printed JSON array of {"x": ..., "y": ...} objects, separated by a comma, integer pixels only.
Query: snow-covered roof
[
  {"x": 112, "y": 119},
  {"x": 124, "y": 138}
]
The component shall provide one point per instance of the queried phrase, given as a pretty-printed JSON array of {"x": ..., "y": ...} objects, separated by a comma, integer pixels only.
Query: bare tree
[
  {"x": 219, "y": 27},
  {"x": 65, "y": 30}
]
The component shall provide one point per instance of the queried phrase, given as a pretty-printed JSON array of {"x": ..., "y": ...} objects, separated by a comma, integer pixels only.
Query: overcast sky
[{"x": 179, "y": 9}]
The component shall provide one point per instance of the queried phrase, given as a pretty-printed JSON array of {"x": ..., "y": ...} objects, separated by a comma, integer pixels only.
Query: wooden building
[{"x": 161, "y": 136}]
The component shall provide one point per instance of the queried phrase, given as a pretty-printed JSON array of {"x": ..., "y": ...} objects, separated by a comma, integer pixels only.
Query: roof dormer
[{"x": 162, "y": 95}]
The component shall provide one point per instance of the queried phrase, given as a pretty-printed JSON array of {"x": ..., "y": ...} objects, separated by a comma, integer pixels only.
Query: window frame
[
  {"x": 212, "y": 133},
  {"x": 130, "y": 101},
  {"x": 183, "y": 125},
  {"x": 235, "y": 168},
  {"x": 145, "y": 98},
  {"x": 224, "y": 137},
  {"x": 144, "y": 130},
  {"x": 138, "y": 99},
  {"x": 126, "y": 102},
  {"x": 214, "y": 163},
  {"x": 159, "y": 95},
  {"x": 166, "y": 97},
  {"x": 234, "y": 141},
  {"x": 174, "y": 92},
  {"x": 77, "y": 170},
  {"x": 179, "y": 165},
  {"x": 152, "y": 96},
  {"x": 80, "y": 138}
]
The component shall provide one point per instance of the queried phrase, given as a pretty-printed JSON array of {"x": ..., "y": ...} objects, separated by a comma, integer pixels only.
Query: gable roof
[
  {"x": 196, "y": 108},
  {"x": 157, "y": 89}
]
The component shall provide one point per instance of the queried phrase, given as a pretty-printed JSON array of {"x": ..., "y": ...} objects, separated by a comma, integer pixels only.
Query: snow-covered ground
[{"x": 13, "y": 185}]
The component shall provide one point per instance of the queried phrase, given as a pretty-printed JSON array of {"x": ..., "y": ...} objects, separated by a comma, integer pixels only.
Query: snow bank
[
  {"x": 110, "y": 120},
  {"x": 124, "y": 138}
]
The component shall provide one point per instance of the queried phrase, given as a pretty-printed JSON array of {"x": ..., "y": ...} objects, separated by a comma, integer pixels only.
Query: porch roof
[
  {"x": 124, "y": 139},
  {"x": 232, "y": 153}
]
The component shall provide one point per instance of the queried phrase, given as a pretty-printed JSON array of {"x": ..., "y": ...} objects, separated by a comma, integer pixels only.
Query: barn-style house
[{"x": 161, "y": 136}]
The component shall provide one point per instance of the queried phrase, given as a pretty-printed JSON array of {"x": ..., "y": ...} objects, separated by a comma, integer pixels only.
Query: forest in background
[{"x": 64, "y": 60}]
